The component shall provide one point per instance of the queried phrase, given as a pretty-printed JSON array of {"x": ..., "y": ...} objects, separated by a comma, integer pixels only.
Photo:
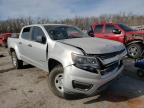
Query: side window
[
  {"x": 109, "y": 28},
  {"x": 26, "y": 33},
  {"x": 36, "y": 32},
  {"x": 98, "y": 29}
]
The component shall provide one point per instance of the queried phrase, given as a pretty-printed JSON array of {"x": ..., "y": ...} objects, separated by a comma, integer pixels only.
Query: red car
[
  {"x": 133, "y": 39},
  {"x": 3, "y": 39}
]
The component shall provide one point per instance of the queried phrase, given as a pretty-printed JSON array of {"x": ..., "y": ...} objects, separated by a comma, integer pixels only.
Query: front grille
[
  {"x": 105, "y": 69},
  {"x": 107, "y": 55}
]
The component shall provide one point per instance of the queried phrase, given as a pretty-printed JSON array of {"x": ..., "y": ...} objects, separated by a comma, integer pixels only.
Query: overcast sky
[{"x": 59, "y": 9}]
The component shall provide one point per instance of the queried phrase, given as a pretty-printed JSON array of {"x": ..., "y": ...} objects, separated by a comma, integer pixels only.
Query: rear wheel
[
  {"x": 16, "y": 63},
  {"x": 134, "y": 50}
]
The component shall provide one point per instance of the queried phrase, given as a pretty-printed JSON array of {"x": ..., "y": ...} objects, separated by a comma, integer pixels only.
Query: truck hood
[{"x": 94, "y": 45}]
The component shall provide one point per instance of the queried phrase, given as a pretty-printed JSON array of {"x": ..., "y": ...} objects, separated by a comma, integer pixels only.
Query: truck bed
[{"x": 12, "y": 42}]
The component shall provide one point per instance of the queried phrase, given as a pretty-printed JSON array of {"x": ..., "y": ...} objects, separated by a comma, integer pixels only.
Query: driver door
[
  {"x": 108, "y": 33},
  {"x": 38, "y": 50}
]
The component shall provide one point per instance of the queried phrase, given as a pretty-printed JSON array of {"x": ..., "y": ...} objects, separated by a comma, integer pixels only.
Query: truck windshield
[
  {"x": 126, "y": 28},
  {"x": 59, "y": 32}
]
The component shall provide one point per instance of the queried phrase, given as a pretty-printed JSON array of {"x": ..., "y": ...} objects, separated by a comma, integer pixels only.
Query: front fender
[
  {"x": 62, "y": 53},
  {"x": 135, "y": 42}
]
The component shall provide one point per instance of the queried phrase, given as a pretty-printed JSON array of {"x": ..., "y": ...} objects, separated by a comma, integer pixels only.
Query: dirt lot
[{"x": 27, "y": 88}]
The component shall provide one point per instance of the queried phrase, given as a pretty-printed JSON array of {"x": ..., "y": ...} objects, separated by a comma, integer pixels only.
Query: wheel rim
[
  {"x": 59, "y": 82},
  {"x": 133, "y": 51},
  {"x": 14, "y": 61}
]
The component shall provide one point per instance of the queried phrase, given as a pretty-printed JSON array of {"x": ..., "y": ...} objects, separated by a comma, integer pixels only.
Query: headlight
[{"x": 85, "y": 62}]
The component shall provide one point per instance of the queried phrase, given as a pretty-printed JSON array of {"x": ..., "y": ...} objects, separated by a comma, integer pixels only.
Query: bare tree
[{"x": 15, "y": 25}]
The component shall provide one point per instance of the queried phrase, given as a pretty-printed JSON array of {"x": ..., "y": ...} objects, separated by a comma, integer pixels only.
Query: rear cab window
[
  {"x": 26, "y": 33},
  {"x": 98, "y": 29}
]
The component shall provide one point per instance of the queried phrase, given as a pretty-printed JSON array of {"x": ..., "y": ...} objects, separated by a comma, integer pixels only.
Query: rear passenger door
[
  {"x": 24, "y": 44},
  {"x": 98, "y": 31}
]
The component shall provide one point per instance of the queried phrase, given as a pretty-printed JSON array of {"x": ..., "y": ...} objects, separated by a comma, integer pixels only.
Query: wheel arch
[
  {"x": 53, "y": 63},
  {"x": 11, "y": 50},
  {"x": 16, "y": 51},
  {"x": 135, "y": 42}
]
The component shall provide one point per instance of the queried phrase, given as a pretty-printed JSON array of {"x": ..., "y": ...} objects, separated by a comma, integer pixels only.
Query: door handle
[
  {"x": 20, "y": 43},
  {"x": 29, "y": 45}
]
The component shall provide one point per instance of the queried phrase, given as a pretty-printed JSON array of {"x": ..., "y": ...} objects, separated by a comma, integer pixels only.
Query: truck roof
[
  {"x": 97, "y": 23},
  {"x": 44, "y": 25}
]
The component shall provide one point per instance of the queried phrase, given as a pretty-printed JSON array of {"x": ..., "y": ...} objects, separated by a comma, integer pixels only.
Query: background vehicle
[
  {"x": 3, "y": 39},
  {"x": 132, "y": 39},
  {"x": 139, "y": 63},
  {"x": 15, "y": 35},
  {"x": 73, "y": 66}
]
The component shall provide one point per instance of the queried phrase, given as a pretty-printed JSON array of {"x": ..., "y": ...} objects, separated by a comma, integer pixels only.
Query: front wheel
[
  {"x": 134, "y": 50},
  {"x": 56, "y": 81},
  {"x": 15, "y": 61}
]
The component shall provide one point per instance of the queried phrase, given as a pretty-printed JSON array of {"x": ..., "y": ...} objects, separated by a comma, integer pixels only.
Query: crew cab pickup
[
  {"x": 76, "y": 62},
  {"x": 132, "y": 39}
]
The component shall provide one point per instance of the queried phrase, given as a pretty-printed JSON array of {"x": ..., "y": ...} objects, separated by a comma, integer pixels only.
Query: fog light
[{"x": 81, "y": 86}]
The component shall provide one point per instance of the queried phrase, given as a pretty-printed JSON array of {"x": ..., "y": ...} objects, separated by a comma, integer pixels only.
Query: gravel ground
[{"x": 28, "y": 88}]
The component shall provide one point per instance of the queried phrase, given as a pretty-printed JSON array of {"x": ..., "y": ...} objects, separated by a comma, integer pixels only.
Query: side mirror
[
  {"x": 90, "y": 33},
  {"x": 116, "y": 31},
  {"x": 41, "y": 39}
]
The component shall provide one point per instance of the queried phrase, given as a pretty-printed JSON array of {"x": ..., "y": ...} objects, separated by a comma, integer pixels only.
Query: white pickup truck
[{"x": 76, "y": 62}]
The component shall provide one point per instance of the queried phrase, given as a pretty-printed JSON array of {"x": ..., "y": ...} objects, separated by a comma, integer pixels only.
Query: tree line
[{"x": 15, "y": 25}]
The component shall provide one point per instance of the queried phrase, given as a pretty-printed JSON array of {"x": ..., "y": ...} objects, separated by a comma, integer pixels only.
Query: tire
[
  {"x": 134, "y": 50},
  {"x": 56, "y": 81},
  {"x": 18, "y": 64}
]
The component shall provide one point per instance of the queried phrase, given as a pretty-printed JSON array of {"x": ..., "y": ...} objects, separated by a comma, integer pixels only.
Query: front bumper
[{"x": 91, "y": 81}]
